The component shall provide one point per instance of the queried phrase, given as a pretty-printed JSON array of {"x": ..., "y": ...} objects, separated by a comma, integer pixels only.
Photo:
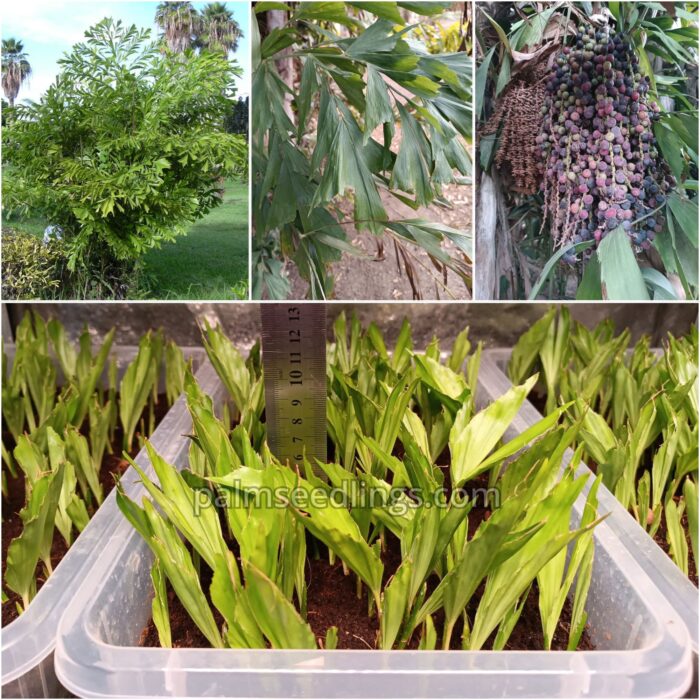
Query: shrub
[
  {"x": 126, "y": 149},
  {"x": 30, "y": 268}
]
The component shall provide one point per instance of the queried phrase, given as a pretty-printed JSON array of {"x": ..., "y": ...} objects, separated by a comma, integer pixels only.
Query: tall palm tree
[
  {"x": 180, "y": 23},
  {"x": 220, "y": 31},
  {"x": 15, "y": 68}
]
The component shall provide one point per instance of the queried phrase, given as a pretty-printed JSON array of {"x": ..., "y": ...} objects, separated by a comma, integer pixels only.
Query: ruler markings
[{"x": 294, "y": 362}]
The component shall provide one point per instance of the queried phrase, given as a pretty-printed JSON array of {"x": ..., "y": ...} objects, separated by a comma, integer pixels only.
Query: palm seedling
[
  {"x": 59, "y": 424},
  {"x": 639, "y": 413},
  {"x": 409, "y": 443}
]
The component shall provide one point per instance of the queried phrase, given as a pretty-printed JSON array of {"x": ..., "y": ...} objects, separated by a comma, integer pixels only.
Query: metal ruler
[{"x": 294, "y": 363}]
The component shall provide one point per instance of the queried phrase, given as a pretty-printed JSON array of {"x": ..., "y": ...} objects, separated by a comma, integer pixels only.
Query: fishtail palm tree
[{"x": 15, "y": 68}]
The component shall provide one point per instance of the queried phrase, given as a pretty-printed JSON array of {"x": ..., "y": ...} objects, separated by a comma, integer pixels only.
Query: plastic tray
[
  {"x": 678, "y": 590},
  {"x": 643, "y": 649},
  {"x": 28, "y": 641}
]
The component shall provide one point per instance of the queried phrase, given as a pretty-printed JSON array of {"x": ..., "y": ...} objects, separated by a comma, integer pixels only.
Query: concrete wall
[{"x": 497, "y": 325}]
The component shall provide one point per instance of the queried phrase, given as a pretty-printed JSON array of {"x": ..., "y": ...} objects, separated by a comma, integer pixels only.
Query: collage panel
[
  {"x": 349, "y": 349},
  {"x": 483, "y": 454},
  {"x": 125, "y": 150},
  {"x": 587, "y": 116},
  {"x": 362, "y": 156}
]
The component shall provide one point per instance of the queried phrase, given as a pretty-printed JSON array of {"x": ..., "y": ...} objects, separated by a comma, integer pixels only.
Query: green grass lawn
[
  {"x": 207, "y": 263},
  {"x": 211, "y": 259},
  {"x": 33, "y": 224}
]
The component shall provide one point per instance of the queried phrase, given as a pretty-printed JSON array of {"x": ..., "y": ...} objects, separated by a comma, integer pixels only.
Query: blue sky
[{"x": 49, "y": 28}]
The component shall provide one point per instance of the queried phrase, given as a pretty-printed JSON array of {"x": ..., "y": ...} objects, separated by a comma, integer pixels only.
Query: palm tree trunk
[{"x": 276, "y": 19}]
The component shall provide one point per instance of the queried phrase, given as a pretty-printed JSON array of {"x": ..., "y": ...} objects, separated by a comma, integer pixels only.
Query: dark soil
[
  {"x": 332, "y": 602},
  {"x": 113, "y": 466}
]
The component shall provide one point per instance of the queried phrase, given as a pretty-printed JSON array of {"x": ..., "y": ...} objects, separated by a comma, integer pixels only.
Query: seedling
[
  {"x": 639, "y": 414},
  {"x": 243, "y": 514},
  {"x": 58, "y": 437}
]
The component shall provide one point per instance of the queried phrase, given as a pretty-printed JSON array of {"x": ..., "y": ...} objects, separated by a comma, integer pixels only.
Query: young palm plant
[
  {"x": 638, "y": 412},
  {"x": 464, "y": 575},
  {"x": 59, "y": 425}
]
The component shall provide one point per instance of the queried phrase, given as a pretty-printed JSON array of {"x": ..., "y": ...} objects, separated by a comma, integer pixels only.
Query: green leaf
[
  {"x": 175, "y": 561},
  {"x": 525, "y": 352},
  {"x": 308, "y": 87},
  {"x": 277, "y": 40},
  {"x": 426, "y": 9},
  {"x": 471, "y": 440},
  {"x": 228, "y": 363},
  {"x": 621, "y": 278},
  {"x": 659, "y": 284},
  {"x": 514, "y": 576},
  {"x": 555, "y": 579},
  {"x": 30, "y": 459},
  {"x": 383, "y": 10},
  {"x": 394, "y": 604},
  {"x": 378, "y": 103},
  {"x": 377, "y": 38},
  {"x": 325, "y": 12},
  {"x": 685, "y": 211},
  {"x": 590, "y": 289},
  {"x": 690, "y": 494},
  {"x": 159, "y": 606},
  {"x": 676, "y": 536},
  {"x": 255, "y": 41},
  {"x": 350, "y": 171},
  {"x": 503, "y": 75},
  {"x": 65, "y": 352},
  {"x": 670, "y": 147},
  {"x": 331, "y": 638},
  {"x": 267, "y": 6},
  {"x": 188, "y": 510},
  {"x": 87, "y": 472},
  {"x": 175, "y": 367},
  {"x": 479, "y": 557},
  {"x": 412, "y": 168},
  {"x": 275, "y": 615},
  {"x": 499, "y": 30},
  {"x": 135, "y": 388},
  {"x": 35, "y": 540},
  {"x": 524, "y": 438},
  {"x": 482, "y": 73}
]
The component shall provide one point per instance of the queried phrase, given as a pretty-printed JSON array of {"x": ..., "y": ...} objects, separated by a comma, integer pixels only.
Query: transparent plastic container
[
  {"x": 668, "y": 578},
  {"x": 676, "y": 588},
  {"x": 29, "y": 640},
  {"x": 643, "y": 648}
]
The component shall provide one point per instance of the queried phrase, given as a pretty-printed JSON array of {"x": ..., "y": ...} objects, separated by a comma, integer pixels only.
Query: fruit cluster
[{"x": 599, "y": 161}]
